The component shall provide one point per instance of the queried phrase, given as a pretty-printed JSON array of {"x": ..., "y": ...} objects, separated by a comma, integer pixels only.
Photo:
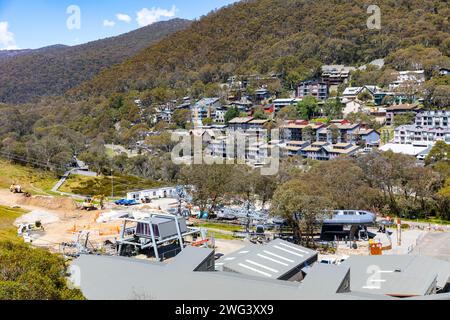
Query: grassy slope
[
  {"x": 32, "y": 180},
  {"x": 216, "y": 228},
  {"x": 431, "y": 220},
  {"x": 7, "y": 218},
  {"x": 88, "y": 186}
]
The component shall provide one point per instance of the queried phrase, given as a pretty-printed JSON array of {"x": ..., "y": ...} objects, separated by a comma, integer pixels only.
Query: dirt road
[{"x": 66, "y": 219}]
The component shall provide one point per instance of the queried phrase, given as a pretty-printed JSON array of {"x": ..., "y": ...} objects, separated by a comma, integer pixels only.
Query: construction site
[{"x": 158, "y": 234}]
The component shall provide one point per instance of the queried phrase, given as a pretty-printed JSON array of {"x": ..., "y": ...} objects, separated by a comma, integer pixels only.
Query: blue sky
[{"x": 38, "y": 23}]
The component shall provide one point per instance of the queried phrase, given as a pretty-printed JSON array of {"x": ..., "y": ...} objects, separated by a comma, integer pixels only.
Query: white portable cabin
[{"x": 158, "y": 193}]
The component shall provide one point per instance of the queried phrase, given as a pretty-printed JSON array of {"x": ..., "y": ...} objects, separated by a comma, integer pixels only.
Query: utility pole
[
  {"x": 112, "y": 175},
  {"x": 248, "y": 217},
  {"x": 112, "y": 184}
]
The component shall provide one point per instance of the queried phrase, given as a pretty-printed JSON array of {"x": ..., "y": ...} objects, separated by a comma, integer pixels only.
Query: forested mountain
[
  {"x": 29, "y": 74},
  {"x": 5, "y": 54},
  {"x": 282, "y": 36}
]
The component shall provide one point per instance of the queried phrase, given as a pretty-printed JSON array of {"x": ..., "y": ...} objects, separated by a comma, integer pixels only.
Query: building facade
[
  {"x": 429, "y": 127},
  {"x": 317, "y": 89}
]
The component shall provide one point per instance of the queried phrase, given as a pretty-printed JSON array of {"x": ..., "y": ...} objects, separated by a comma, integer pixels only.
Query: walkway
[{"x": 436, "y": 245}]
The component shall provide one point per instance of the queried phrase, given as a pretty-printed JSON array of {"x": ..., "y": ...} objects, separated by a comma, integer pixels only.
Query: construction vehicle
[
  {"x": 89, "y": 204},
  {"x": 25, "y": 230},
  {"x": 15, "y": 188}
]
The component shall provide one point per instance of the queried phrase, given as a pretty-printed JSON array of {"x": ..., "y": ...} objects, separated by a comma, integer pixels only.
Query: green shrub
[{"x": 33, "y": 274}]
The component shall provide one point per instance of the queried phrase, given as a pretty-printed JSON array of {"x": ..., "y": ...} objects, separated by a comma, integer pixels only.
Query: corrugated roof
[
  {"x": 240, "y": 120},
  {"x": 273, "y": 260}
]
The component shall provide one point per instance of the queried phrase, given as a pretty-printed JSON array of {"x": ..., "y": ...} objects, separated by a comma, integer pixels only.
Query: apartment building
[
  {"x": 429, "y": 127},
  {"x": 317, "y": 89}
]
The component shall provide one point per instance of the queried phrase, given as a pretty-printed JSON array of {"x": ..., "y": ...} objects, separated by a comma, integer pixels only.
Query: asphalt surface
[{"x": 435, "y": 245}]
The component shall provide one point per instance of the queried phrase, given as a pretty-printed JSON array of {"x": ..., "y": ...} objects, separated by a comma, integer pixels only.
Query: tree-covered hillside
[
  {"x": 29, "y": 74},
  {"x": 263, "y": 36}
]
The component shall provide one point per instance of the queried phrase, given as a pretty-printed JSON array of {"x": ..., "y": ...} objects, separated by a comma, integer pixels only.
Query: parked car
[
  {"x": 217, "y": 256},
  {"x": 126, "y": 202},
  {"x": 421, "y": 157}
]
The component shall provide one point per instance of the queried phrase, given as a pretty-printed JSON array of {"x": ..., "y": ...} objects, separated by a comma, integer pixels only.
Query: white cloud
[
  {"x": 7, "y": 41},
  {"x": 108, "y": 24},
  {"x": 149, "y": 16},
  {"x": 123, "y": 17}
]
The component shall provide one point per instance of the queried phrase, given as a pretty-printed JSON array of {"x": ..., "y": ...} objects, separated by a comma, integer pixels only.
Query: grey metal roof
[
  {"x": 326, "y": 278},
  {"x": 113, "y": 278},
  {"x": 397, "y": 275},
  {"x": 190, "y": 258},
  {"x": 273, "y": 260},
  {"x": 124, "y": 279},
  {"x": 117, "y": 278}
]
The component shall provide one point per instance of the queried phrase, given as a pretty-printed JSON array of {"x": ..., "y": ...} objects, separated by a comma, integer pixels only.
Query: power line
[{"x": 30, "y": 160}]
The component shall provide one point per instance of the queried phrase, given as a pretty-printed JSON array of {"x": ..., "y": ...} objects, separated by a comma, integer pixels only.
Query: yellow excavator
[{"x": 89, "y": 204}]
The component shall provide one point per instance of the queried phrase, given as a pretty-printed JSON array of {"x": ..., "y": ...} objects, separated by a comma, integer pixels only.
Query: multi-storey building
[
  {"x": 205, "y": 108},
  {"x": 325, "y": 151},
  {"x": 340, "y": 131},
  {"x": 433, "y": 118},
  {"x": 400, "y": 109},
  {"x": 429, "y": 127},
  {"x": 334, "y": 75},
  {"x": 317, "y": 89},
  {"x": 295, "y": 130}
]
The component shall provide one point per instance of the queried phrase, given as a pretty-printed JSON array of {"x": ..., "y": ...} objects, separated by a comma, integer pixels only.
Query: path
[
  {"x": 61, "y": 181},
  {"x": 436, "y": 245}
]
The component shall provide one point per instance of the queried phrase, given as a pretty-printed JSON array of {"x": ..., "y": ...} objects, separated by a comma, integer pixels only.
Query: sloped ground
[
  {"x": 7, "y": 217},
  {"x": 32, "y": 180}
]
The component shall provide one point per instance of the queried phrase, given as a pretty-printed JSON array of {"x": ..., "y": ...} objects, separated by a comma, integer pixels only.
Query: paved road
[{"x": 436, "y": 245}]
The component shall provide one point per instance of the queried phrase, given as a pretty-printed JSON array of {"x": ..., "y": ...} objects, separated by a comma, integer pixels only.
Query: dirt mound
[{"x": 50, "y": 203}]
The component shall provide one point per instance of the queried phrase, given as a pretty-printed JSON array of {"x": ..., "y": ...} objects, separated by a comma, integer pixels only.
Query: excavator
[{"x": 89, "y": 204}]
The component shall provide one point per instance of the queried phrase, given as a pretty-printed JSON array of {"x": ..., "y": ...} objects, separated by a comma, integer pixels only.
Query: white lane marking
[
  {"x": 279, "y": 257},
  {"x": 273, "y": 260},
  {"x": 262, "y": 266},
  {"x": 293, "y": 248},
  {"x": 289, "y": 251},
  {"x": 255, "y": 270}
]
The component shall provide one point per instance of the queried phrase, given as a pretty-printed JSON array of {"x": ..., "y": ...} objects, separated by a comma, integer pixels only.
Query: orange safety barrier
[
  {"x": 199, "y": 243},
  {"x": 102, "y": 232}
]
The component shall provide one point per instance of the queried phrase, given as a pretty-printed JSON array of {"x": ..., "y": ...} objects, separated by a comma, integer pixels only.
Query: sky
[{"x": 31, "y": 24}]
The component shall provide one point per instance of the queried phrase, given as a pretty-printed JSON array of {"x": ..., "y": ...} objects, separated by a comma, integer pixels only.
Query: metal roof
[
  {"x": 397, "y": 275},
  {"x": 272, "y": 261},
  {"x": 329, "y": 278},
  {"x": 117, "y": 278},
  {"x": 241, "y": 120},
  {"x": 114, "y": 278},
  {"x": 190, "y": 258},
  {"x": 404, "y": 148}
]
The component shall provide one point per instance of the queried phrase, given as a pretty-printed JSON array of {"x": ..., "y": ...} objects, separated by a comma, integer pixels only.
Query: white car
[{"x": 421, "y": 157}]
